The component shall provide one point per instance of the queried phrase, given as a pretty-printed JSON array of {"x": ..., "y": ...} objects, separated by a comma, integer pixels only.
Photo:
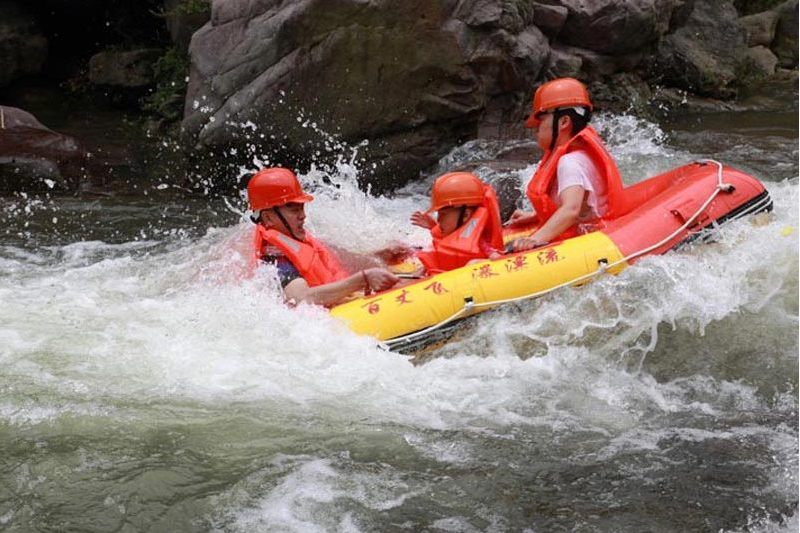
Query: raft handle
[
  {"x": 602, "y": 264},
  {"x": 469, "y": 303},
  {"x": 408, "y": 276}
]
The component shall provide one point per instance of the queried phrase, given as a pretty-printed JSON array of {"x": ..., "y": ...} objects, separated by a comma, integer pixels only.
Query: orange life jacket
[
  {"x": 311, "y": 258},
  {"x": 464, "y": 244},
  {"x": 544, "y": 179}
]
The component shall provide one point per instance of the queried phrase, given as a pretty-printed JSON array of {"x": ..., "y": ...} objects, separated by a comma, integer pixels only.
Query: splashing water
[{"x": 149, "y": 384}]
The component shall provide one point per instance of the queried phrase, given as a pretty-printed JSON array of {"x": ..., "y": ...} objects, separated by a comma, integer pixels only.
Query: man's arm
[
  {"x": 564, "y": 217},
  {"x": 332, "y": 293}
]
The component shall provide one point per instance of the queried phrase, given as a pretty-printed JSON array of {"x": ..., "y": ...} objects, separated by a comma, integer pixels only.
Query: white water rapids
[{"x": 145, "y": 386}]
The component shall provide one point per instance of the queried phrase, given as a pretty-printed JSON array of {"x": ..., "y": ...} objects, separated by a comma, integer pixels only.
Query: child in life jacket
[{"x": 467, "y": 225}]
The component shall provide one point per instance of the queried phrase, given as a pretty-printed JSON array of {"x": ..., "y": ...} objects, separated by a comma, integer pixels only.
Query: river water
[{"x": 145, "y": 386}]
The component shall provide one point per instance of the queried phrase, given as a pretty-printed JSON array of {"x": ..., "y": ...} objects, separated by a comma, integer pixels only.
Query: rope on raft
[{"x": 469, "y": 304}]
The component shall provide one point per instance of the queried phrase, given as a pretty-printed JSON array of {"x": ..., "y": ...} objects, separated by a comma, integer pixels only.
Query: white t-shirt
[{"x": 577, "y": 168}]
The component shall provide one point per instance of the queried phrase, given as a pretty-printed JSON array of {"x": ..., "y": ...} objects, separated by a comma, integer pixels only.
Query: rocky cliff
[
  {"x": 405, "y": 81},
  {"x": 419, "y": 76}
]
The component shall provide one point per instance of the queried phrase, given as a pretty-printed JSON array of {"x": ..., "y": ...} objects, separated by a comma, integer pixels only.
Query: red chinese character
[
  {"x": 517, "y": 263},
  {"x": 372, "y": 307},
  {"x": 402, "y": 298},
  {"x": 547, "y": 256},
  {"x": 485, "y": 271},
  {"x": 436, "y": 287}
]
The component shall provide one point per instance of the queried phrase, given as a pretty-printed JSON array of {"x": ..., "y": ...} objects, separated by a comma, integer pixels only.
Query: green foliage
[
  {"x": 193, "y": 7},
  {"x": 750, "y": 7},
  {"x": 188, "y": 7},
  {"x": 78, "y": 84},
  {"x": 524, "y": 8},
  {"x": 171, "y": 72}
]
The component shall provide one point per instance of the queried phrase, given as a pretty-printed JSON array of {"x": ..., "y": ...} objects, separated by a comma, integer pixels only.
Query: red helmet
[
  {"x": 555, "y": 94},
  {"x": 274, "y": 187},
  {"x": 456, "y": 188}
]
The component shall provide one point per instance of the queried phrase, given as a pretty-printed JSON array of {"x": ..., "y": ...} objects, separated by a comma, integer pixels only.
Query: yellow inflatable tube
[{"x": 399, "y": 312}]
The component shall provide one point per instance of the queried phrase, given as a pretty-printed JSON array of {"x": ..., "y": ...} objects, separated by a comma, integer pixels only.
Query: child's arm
[{"x": 423, "y": 220}]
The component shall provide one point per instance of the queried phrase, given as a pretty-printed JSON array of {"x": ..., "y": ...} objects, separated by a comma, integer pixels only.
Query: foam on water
[
  {"x": 106, "y": 331},
  {"x": 180, "y": 321}
]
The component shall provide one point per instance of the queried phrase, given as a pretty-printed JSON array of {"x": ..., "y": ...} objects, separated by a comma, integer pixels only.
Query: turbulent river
[{"x": 145, "y": 386}]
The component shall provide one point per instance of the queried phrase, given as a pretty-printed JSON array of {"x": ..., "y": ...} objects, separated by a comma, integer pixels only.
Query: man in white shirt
[
  {"x": 576, "y": 169},
  {"x": 570, "y": 186}
]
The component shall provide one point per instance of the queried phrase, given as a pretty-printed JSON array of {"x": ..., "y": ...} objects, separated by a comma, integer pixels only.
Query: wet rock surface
[
  {"x": 704, "y": 54},
  {"x": 414, "y": 79},
  {"x": 760, "y": 27},
  {"x": 785, "y": 42},
  {"x": 396, "y": 84},
  {"x": 126, "y": 69},
  {"x": 418, "y": 79},
  {"x": 23, "y": 48},
  {"x": 34, "y": 157}
]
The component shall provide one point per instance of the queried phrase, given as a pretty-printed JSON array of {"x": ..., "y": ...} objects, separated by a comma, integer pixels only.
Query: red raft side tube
[
  {"x": 661, "y": 205},
  {"x": 650, "y": 217}
]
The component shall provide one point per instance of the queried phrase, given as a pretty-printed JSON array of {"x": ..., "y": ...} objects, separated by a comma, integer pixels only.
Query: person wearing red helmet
[
  {"x": 308, "y": 270},
  {"x": 467, "y": 226},
  {"x": 570, "y": 186}
]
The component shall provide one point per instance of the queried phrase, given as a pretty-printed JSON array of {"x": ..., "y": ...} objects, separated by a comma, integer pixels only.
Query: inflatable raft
[{"x": 664, "y": 212}]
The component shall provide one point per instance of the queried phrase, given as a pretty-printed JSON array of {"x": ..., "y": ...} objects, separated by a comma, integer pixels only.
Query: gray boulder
[
  {"x": 762, "y": 61},
  {"x": 33, "y": 157},
  {"x": 785, "y": 43},
  {"x": 288, "y": 80},
  {"x": 704, "y": 54},
  {"x": 616, "y": 26},
  {"x": 564, "y": 63},
  {"x": 126, "y": 69},
  {"x": 588, "y": 64},
  {"x": 760, "y": 28},
  {"x": 23, "y": 49},
  {"x": 623, "y": 92},
  {"x": 414, "y": 77},
  {"x": 13, "y": 117},
  {"x": 549, "y": 18}
]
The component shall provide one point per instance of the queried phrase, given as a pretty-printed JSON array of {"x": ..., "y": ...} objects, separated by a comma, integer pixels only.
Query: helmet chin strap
[
  {"x": 461, "y": 213},
  {"x": 285, "y": 224},
  {"x": 556, "y": 117}
]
